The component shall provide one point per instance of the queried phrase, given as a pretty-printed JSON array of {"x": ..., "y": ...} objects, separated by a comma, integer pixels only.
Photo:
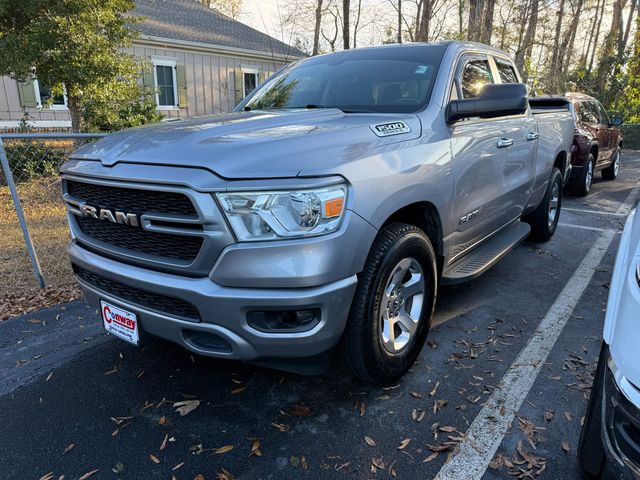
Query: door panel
[
  {"x": 481, "y": 200},
  {"x": 520, "y": 167}
]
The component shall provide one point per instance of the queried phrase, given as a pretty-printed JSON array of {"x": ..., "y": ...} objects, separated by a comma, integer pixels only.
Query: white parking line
[
  {"x": 487, "y": 430},
  {"x": 627, "y": 205},
  {"x": 594, "y": 212},
  {"x": 584, "y": 227}
]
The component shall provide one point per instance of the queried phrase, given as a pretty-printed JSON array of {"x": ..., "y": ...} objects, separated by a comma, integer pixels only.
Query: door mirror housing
[
  {"x": 494, "y": 100},
  {"x": 616, "y": 121}
]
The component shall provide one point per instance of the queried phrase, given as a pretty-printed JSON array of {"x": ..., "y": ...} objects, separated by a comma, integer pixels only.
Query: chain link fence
[{"x": 33, "y": 161}]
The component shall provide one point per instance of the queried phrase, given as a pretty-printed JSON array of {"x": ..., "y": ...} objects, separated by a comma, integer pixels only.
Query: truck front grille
[
  {"x": 170, "y": 245},
  {"x": 150, "y": 300},
  {"x": 180, "y": 247},
  {"x": 131, "y": 199}
]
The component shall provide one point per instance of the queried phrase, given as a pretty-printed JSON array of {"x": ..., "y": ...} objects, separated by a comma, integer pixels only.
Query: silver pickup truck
[{"x": 324, "y": 212}]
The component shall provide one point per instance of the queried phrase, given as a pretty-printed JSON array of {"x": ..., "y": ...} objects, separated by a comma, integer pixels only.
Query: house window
[
  {"x": 165, "y": 82},
  {"x": 250, "y": 81},
  {"x": 46, "y": 99}
]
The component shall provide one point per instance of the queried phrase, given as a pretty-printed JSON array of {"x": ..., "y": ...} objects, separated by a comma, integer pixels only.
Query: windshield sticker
[
  {"x": 421, "y": 69},
  {"x": 387, "y": 129}
]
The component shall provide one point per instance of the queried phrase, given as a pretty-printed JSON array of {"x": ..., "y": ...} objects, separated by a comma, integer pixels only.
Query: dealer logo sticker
[
  {"x": 120, "y": 322},
  {"x": 388, "y": 129}
]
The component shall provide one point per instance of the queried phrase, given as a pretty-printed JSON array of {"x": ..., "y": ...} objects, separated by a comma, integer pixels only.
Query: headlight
[{"x": 284, "y": 214}]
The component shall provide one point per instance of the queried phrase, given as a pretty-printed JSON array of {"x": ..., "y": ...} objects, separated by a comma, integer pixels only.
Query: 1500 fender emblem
[{"x": 391, "y": 128}]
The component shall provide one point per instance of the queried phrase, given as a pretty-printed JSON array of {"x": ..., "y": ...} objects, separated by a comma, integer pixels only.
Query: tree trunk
[
  {"x": 316, "y": 31},
  {"x": 625, "y": 37},
  {"x": 75, "y": 109},
  {"x": 597, "y": 37},
  {"x": 487, "y": 22},
  {"x": 609, "y": 57},
  {"x": 346, "y": 7},
  {"x": 566, "y": 49},
  {"x": 524, "y": 53},
  {"x": 356, "y": 25},
  {"x": 460, "y": 19},
  {"x": 399, "y": 21},
  {"x": 553, "y": 79},
  {"x": 475, "y": 9},
  {"x": 425, "y": 20}
]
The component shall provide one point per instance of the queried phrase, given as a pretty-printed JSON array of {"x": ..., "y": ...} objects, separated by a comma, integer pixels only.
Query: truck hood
[{"x": 257, "y": 144}]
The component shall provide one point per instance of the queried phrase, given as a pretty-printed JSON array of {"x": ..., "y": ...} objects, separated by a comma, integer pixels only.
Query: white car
[{"x": 610, "y": 439}]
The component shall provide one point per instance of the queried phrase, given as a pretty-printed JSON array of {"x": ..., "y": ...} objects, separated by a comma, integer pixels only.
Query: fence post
[{"x": 23, "y": 223}]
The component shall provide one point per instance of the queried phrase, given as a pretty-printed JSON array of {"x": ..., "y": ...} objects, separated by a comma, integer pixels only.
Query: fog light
[{"x": 279, "y": 321}]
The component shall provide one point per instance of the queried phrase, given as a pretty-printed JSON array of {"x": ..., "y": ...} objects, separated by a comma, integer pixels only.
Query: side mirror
[
  {"x": 494, "y": 100},
  {"x": 616, "y": 121}
]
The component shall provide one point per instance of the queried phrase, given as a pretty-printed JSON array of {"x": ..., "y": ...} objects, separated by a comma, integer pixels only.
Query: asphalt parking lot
[{"x": 502, "y": 383}]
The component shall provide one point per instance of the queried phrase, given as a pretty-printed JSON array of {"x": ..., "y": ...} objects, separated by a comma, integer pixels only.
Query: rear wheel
[
  {"x": 582, "y": 185},
  {"x": 544, "y": 219},
  {"x": 611, "y": 172},
  {"x": 391, "y": 311},
  {"x": 590, "y": 449}
]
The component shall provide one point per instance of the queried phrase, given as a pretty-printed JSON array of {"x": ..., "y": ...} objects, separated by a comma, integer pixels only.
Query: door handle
[
  {"x": 532, "y": 136},
  {"x": 505, "y": 142}
]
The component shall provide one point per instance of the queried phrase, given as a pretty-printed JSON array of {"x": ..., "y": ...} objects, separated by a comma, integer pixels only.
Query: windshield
[{"x": 393, "y": 80}]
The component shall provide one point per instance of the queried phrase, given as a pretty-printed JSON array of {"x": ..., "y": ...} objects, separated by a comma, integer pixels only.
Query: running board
[{"x": 482, "y": 258}]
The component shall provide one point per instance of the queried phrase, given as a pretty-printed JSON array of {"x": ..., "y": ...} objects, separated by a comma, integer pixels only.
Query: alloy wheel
[{"x": 401, "y": 305}]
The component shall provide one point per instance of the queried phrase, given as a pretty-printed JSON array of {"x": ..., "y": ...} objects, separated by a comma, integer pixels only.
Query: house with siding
[{"x": 203, "y": 63}]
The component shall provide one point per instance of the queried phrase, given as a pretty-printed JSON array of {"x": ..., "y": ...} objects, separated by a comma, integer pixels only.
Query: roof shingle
[{"x": 189, "y": 20}]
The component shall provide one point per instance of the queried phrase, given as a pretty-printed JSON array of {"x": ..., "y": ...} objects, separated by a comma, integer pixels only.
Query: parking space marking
[
  {"x": 594, "y": 212},
  {"x": 628, "y": 203},
  {"x": 585, "y": 227},
  {"x": 488, "y": 429}
]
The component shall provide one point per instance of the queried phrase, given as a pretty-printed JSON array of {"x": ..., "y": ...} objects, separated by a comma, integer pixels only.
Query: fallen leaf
[
  {"x": 548, "y": 416},
  {"x": 35, "y": 321},
  {"x": 435, "y": 389},
  {"x": 363, "y": 408},
  {"x": 177, "y": 466},
  {"x": 418, "y": 414},
  {"x": 47, "y": 476},
  {"x": 568, "y": 416},
  {"x": 404, "y": 443},
  {"x": 221, "y": 450},
  {"x": 69, "y": 448},
  {"x": 118, "y": 468},
  {"x": 186, "y": 406},
  {"x": 163, "y": 445},
  {"x": 153, "y": 458},
  {"x": 283, "y": 427},
  {"x": 431, "y": 457},
  {"x": 416, "y": 394},
  {"x": 303, "y": 462},
  {"x": 89, "y": 474},
  {"x": 255, "y": 449},
  {"x": 162, "y": 420},
  {"x": 199, "y": 477},
  {"x": 370, "y": 441},
  {"x": 378, "y": 463},
  {"x": 566, "y": 447},
  {"x": 223, "y": 475},
  {"x": 447, "y": 429},
  {"x": 49, "y": 377},
  {"x": 238, "y": 391}
]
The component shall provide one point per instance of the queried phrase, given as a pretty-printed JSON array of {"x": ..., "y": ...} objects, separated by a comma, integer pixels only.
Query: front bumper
[
  {"x": 222, "y": 310},
  {"x": 621, "y": 422}
]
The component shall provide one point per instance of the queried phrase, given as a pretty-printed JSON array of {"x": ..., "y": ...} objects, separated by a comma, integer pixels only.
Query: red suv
[{"x": 596, "y": 143}]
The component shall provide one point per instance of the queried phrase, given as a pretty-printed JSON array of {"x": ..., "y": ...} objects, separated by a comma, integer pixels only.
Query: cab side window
[
  {"x": 476, "y": 74},
  {"x": 507, "y": 72}
]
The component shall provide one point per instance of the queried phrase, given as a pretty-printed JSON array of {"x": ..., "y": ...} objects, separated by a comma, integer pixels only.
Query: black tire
[
  {"x": 582, "y": 185},
  {"x": 591, "y": 452},
  {"x": 611, "y": 172},
  {"x": 542, "y": 229},
  {"x": 361, "y": 347}
]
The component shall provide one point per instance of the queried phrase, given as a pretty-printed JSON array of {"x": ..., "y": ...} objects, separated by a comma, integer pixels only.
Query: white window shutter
[
  {"x": 239, "y": 85},
  {"x": 181, "y": 82},
  {"x": 28, "y": 94}
]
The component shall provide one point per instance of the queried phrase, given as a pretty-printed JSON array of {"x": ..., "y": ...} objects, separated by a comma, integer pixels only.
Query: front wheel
[
  {"x": 391, "y": 311},
  {"x": 611, "y": 172},
  {"x": 582, "y": 185},
  {"x": 544, "y": 219}
]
